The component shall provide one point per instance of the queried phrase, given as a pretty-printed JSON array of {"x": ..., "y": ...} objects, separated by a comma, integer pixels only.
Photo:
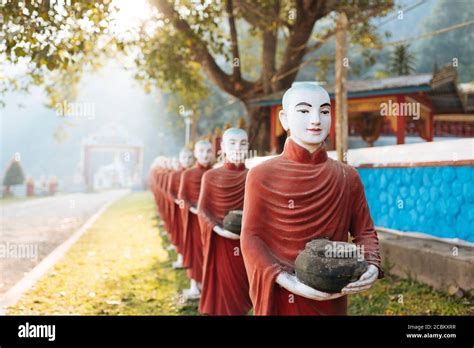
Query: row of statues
[{"x": 287, "y": 202}]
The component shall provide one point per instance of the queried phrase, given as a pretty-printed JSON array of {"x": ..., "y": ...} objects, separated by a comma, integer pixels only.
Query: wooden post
[
  {"x": 332, "y": 131},
  {"x": 194, "y": 118},
  {"x": 430, "y": 125},
  {"x": 400, "y": 121},
  {"x": 342, "y": 62}
]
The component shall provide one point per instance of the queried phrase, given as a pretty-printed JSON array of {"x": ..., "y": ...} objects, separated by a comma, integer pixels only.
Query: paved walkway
[{"x": 31, "y": 230}]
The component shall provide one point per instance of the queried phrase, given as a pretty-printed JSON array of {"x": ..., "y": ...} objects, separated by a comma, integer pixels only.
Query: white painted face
[
  {"x": 203, "y": 153},
  {"x": 186, "y": 158},
  {"x": 174, "y": 163},
  {"x": 235, "y": 145},
  {"x": 167, "y": 163},
  {"x": 307, "y": 114}
]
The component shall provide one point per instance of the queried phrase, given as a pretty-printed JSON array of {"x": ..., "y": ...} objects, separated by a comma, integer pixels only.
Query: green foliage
[
  {"x": 62, "y": 85},
  {"x": 14, "y": 174},
  {"x": 324, "y": 63},
  {"x": 44, "y": 37},
  {"x": 402, "y": 62},
  {"x": 12, "y": 200},
  {"x": 457, "y": 44},
  {"x": 217, "y": 110},
  {"x": 50, "y": 35},
  {"x": 250, "y": 47},
  {"x": 395, "y": 296},
  {"x": 165, "y": 61}
]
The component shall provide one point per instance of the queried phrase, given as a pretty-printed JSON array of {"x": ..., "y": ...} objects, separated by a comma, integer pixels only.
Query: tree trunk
[
  {"x": 195, "y": 120},
  {"x": 341, "y": 89},
  {"x": 259, "y": 128}
]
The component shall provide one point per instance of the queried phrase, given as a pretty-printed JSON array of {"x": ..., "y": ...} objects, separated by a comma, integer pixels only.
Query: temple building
[
  {"x": 433, "y": 105},
  {"x": 110, "y": 158}
]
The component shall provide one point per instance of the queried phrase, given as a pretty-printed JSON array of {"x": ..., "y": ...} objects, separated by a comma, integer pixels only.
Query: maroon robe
[
  {"x": 175, "y": 225},
  {"x": 225, "y": 288},
  {"x": 192, "y": 241},
  {"x": 289, "y": 201},
  {"x": 162, "y": 189},
  {"x": 158, "y": 190}
]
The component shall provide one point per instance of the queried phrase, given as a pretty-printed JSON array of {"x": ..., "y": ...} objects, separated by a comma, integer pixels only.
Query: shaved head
[
  {"x": 235, "y": 145},
  {"x": 203, "y": 143},
  {"x": 185, "y": 151},
  {"x": 203, "y": 152},
  {"x": 186, "y": 158},
  {"x": 299, "y": 87},
  {"x": 234, "y": 131},
  {"x": 306, "y": 114}
]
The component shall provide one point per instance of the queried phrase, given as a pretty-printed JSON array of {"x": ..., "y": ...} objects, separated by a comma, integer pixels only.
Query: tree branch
[
  {"x": 236, "y": 73},
  {"x": 253, "y": 15},
  {"x": 202, "y": 54},
  {"x": 354, "y": 20},
  {"x": 269, "y": 50},
  {"x": 321, "y": 41},
  {"x": 307, "y": 13}
]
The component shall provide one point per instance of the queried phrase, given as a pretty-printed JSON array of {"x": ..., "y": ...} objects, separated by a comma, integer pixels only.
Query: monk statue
[
  {"x": 188, "y": 195},
  {"x": 153, "y": 178},
  {"x": 225, "y": 288},
  {"x": 161, "y": 188},
  {"x": 299, "y": 196},
  {"x": 184, "y": 161}
]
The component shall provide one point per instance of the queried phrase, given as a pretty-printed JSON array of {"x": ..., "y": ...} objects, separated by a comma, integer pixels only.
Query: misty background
[{"x": 49, "y": 144}]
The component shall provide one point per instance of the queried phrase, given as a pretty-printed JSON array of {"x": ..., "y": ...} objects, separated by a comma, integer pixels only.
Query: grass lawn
[
  {"x": 120, "y": 266},
  {"x": 14, "y": 199},
  {"x": 394, "y": 296}
]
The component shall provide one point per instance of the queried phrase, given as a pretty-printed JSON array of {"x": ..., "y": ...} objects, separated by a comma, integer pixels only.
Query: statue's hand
[
  {"x": 193, "y": 210},
  {"x": 365, "y": 281},
  {"x": 291, "y": 283},
  {"x": 224, "y": 233}
]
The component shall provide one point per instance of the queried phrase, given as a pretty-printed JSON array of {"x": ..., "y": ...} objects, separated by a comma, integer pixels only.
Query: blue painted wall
[{"x": 435, "y": 200}]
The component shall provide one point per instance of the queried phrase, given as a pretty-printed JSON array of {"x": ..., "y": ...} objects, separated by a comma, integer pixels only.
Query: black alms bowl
[
  {"x": 233, "y": 221},
  {"x": 329, "y": 266}
]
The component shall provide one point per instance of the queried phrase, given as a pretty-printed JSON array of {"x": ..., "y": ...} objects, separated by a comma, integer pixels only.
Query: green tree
[
  {"x": 453, "y": 47},
  {"x": 13, "y": 176},
  {"x": 196, "y": 37},
  {"x": 52, "y": 42},
  {"x": 192, "y": 42},
  {"x": 402, "y": 61}
]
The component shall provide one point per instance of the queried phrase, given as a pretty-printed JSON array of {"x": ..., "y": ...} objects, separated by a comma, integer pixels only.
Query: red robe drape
[
  {"x": 192, "y": 241},
  {"x": 175, "y": 228},
  {"x": 225, "y": 288},
  {"x": 289, "y": 201},
  {"x": 158, "y": 189},
  {"x": 164, "y": 200}
]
